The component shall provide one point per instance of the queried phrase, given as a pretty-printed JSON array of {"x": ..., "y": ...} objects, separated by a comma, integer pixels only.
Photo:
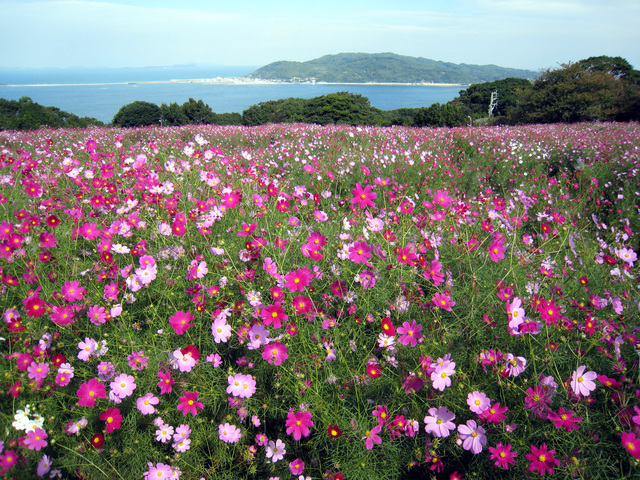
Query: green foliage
[
  {"x": 197, "y": 113},
  {"x": 477, "y": 97},
  {"x": 138, "y": 114},
  {"x": 437, "y": 115},
  {"x": 25, "y": 114},
  {"x": 172, "y": 115},
  {"x": 598, "y": 88},
  {"x": 335, "y": 108},
  {"x": 287, "y": 110},
  {"x": 341, "y": 108}
]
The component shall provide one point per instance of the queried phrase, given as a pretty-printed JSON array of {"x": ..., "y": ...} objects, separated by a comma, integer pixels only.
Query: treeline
[
  {"x": 334, "y": 108},
  {"x": 25, "y": 114},
  {"x": 595, "y": 89}
]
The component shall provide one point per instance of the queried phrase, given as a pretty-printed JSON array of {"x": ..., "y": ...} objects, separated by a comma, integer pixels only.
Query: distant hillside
[{"x": 385, "y": 68}]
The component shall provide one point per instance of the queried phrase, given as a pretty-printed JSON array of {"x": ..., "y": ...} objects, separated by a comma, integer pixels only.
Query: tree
[
  {"x": 341, "y": 108},
  {"x": 172, "y": 115},
  {"x": 437, "y": 115},
  {"x": 197, "y": 113},
  {"x": 476, "y": 97},
  {"x": 598, "y": 88},
  {"x": 137, "y": 114},
  {"x": 25, "y": 114}
]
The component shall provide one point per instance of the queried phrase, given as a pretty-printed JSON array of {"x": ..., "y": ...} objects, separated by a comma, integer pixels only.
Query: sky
[{"x": 528, "y": 34}]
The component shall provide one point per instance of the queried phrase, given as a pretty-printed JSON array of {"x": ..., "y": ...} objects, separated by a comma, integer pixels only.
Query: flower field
[{"x": 306, "y": 302}]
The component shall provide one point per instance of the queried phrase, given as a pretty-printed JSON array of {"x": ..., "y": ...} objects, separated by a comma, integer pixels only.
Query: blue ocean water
[{"x": 104, "y": 101}]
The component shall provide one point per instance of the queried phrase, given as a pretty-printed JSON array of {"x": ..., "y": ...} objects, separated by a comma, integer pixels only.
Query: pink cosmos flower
[
  {"x": 97, "y": 315},
  {"x": 496, "y": 251},
  {"x": 502, "y": 455},
  {"x": 146, "y": 404},
  {"x": 442, "y": 198},
  {"x": 409, "y": 333},
  {"x": 137, "y": 360},
  {"x": 478, "y": 402},
  {"x": 275, "y": 450},
  {"x": 247, "y": 229},
  {"x": 631, "y": 443},
  {"x": 564, "y": 419},
  {"x": 583, "y": 383},
  {"x": 371, "y": 437},
  {"x": 275, "y": 353},
  {"x": 273, "y": 315},
  {"x": 166, "y": 382},
  {"x": 473, "y": 436},
  {"x": 296, "y": 467},
  {"x": 189, "y": 403},
  {"x": 36, "y": 439},
  {"x": 439, "y": 422},
  {"x": 87, "y": 348},
  {"x": 296, "y": 281},
  {"x": 434, "y": 273},
  {"x": 180, "y": 321},
  {"x": 360, "y": 252},
  {"x": 542, "y": 459},
  {"x": 298, "y": 424},
  {"x": 38, "y": 371},
  {"x": 495, "y": 413},
  {"x": 184, "y": 361},
  {"x": 243, "y": 386},
  {"x": 89, "y": 392},
  {"x": 220, "y": 330},
  {"x": 229, "y": 433},
  {"x": 112, "y": 418},
  {"x": 441, "y": 375},
  {"x": 363, "y": 197},
  {"x": 72, "y": 291},
  {"x": 123, "y": 385},
  {"x": 302, "y": 304},
  {"x": 164, "y": 433},
  {"x": 44, "y": 465},
  {"x": 443, "y": 300}
]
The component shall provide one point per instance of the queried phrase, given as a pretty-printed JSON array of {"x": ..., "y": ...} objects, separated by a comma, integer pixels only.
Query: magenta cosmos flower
[
  {"x": 296, "y": 281},
  {"x": 439, "y": 422},
  {"x": 542, "y": 459},
  {"x": 275, "y": 353},
  {"x": 363, "y": 197},
  {"x": 273, "y": 315},
  {"x": 180, "y": 321},
  {"x": 112, "y": 418},
  {"x": 189, "y": 403},
  {"x": 631, "y": 443},
  {"x": 502, "y": 455},
  {"x": 298, "y": 424},
  {"x": 89, "y": 392},
  {"x": 409, "y": 333}
]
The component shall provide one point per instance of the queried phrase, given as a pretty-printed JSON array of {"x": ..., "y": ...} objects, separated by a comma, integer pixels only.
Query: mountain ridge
[{"x": 384, "y": 68}]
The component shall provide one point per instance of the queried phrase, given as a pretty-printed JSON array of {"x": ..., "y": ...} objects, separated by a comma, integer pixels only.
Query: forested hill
[{"x": 385, "y": 68}]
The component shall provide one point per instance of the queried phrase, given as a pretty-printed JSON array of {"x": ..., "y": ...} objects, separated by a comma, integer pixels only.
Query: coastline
[{"x": 234, "y": 81}]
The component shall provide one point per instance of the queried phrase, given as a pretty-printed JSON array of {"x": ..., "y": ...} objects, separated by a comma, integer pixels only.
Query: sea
[{"x": 101, "y": 92}]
